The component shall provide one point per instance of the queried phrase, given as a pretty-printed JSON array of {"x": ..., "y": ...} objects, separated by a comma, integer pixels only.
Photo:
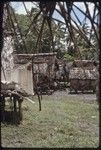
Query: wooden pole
[
  {"x": 1, "y": 30},
  {"x": 1, "y": 43},
  {"x": 35, "y": 86}
]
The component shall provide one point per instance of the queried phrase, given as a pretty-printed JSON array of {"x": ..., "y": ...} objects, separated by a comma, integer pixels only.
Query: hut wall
[
  {"x": 43, "y": 65},
  {"x": 14, "y": 75},
  {"x": 25, "y": 80},
  {"x": 83, "y": 79},
  {"x": 23, "y": 77},
  {"x": 82, "y": 85}
]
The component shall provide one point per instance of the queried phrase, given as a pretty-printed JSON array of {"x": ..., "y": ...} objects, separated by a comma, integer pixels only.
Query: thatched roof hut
[
  {"x": 80, "y": 73},
  {"x": 85, "y": 63},
  {"x": 83, "y": 79},
  {"x": 25, "y": 70}
]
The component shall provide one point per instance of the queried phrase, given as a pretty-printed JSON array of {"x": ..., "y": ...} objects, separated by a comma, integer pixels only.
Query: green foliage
[
  {"x": 68, "y": 57},
  {"x": 45, "y": 43},
  {"x": 87, "y": 51},
  {"x": 23, "y": 22},
  {"x": 30, "y": 39}
]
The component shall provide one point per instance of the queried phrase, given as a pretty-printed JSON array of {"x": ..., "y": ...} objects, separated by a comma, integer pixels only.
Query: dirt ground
[{"x": 87, "y": 97}]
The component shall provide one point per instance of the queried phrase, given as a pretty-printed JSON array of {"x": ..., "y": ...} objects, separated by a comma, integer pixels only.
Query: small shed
[
  {"x": 29, "y": 67},
  {"x": 83, "y": 79}
]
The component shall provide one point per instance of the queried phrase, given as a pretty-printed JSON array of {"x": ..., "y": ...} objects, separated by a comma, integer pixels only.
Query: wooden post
[
  {"x": 1, "y": 47},
  {"x": 3, "y": 108},
  {"x": 14, "y": 101},
  {"x": 34, "y": 83},
  {"x": 17, "y": 115},
  {"x": 20, "y": 109}
]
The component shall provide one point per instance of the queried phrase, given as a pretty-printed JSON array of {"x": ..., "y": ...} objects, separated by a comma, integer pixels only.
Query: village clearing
[{"x": 66, "y": 120}]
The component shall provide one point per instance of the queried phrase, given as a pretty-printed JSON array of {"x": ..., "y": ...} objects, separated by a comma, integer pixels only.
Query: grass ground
[{"x": 65, "y": 121}]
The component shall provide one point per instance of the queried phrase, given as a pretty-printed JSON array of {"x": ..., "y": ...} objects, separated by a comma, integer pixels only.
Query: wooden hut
[
  {"x": 31, "y": 68},
  {"x": 83, "y": 79}
]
